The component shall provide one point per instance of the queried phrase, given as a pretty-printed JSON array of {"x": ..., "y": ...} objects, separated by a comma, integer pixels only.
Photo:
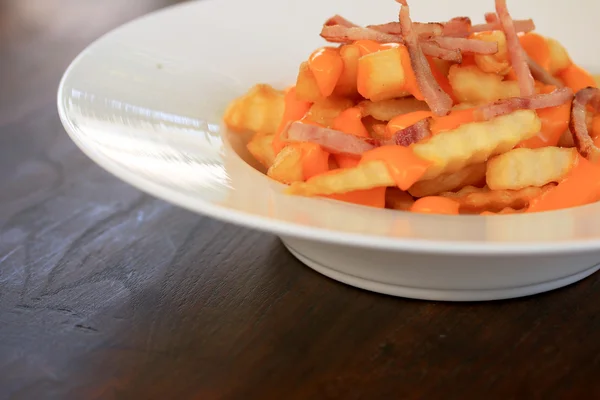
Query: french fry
[
  {"x": 381, "y": 75},
  {"x": 346, "y": 85},
  {"x": 259, "y": 110},
  {"x": 287, "y": 166},
  {"x": 261, "y": 148},
  {"x": 306, "y": 85},
  {"x": 324, "y": 111},
  {"x": 474, "y": 143},
  {"x": 494, "y": 63},
  {"x": 397, "y": 199},
  {"x": 559, "y": 58},
  {"x": 364, "y": 176},
  {"x": 477, "y": 200},
  {"x": 471, "y": 85},
  {"x": 385, "y": 110},
  {"x": 472, "y": 175},
  {"x": 523, "y": 167}
]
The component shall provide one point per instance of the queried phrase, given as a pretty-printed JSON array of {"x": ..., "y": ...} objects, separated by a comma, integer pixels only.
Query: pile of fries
[{"x": 441, "y": 117}]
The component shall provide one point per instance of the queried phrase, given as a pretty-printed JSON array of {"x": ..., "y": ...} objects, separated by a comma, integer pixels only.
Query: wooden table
[{"x": 107, "y": 293}]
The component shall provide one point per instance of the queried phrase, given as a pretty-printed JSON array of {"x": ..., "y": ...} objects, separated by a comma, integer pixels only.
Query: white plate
[{"x": 145, "y": 102}]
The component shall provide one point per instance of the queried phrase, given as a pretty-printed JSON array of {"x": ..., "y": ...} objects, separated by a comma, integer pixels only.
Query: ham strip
[
  {"x": 424, "y": 30},
  {"x": 438, "y": 100},
  {"x": 506, "y": 106},
  {"x": 412, "y": 134},
  {"x": 518, "y": 58},
  {"x": 539, "y": 73},
  {"x": 333, "y": 141},
  {"x": 521, "y": 26},
  {"x": 339, "y": 20},
  {"x": 345, "y": 34},
  {"x": 467, "y": 45},
  {"x": 578, "y": 126},
  {"x": 457, "y": 27}
]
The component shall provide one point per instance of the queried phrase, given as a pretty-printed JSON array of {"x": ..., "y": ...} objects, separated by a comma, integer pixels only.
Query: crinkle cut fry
[{"x": 477, "y": 200}]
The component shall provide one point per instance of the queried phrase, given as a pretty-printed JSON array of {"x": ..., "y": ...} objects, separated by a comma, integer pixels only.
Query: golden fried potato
[
  {"x": 381, "y": 75},
  {"x": 472, "y": 175},
  {"x": 494, "y": 63},
  {"x": 397, "y": 199},
  {"x": 385, "y": 110},
  {"x": 261, "y": 148},
  {"x": 364, "y": 176},
  {"x": 259, "y": 110},
  {"x": 474, "y": 143},
  {"x": 477, "y": 200},
  {"x": 306, "y": 85},
  {"x": 559, "y": 58},
  {"x": 520, "y": 168},
  {"x": 346, "y": 84},
  {"x": 471, "y": 85},
  {"x": 597, "y": 80},
  {"x": 287, "y": 166},
  {"x": 324, "y": 111}
]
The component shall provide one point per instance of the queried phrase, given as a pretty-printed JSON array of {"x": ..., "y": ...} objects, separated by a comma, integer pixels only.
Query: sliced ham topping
[
  {"x": 438, "y": 100},
  {"x": 539, "y": 73},
  {"x": 517, "y": 55},
  {"x": 434, "y": 50},
  {"x": 506, "y": 106},
  {"x": 467, "y": 45},
  {"x": 457, "y": 27},
  {"x": 339, "y": 20},
  {"x": 336, "y": 142},
  {"x": 412, "y": 134},
  {"x": 345, "y": 34},
  {"x": 578, "y": 126},
  {"x": 424, "y": 30},
  {"x": 493, "y": 24}
]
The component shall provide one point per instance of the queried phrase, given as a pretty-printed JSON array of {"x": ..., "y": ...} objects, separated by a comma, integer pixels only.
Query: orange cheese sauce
[
  {"x": 294, "y": 110},
  {"x": 403, "y": 164},
  {"x": 577, "y": 78},
  {"x": 453, "y": 120},
  {"x": 327, "y": 65},
  {"x": 374, "y": 197},
  {"x": 405, "y": 120},
  {"x": 537, "y": 48},
  {"x": 555, "y": 121},
  {"x": 581, "y": 186},
  {"x": 350, "y": 121},
  {"x": 435, "y": 205}
]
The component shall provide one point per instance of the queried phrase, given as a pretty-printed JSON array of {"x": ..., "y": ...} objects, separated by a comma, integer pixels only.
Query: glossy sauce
[
  {"x": 327, "y": 65},
  {"x": 374, "y": 197},
  {"x": 435, "y": 205},
  {"x": 403, "y": 164},
  {"x": 405, "y": 120},
  {"x": 350, "y": 121},
  {"x": 581, "y": 186},
  {"x": 294, "y": 110}
]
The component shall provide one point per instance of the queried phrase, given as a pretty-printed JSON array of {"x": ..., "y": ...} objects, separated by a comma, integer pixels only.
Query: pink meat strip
[
  {"x": 518, "y": 57},
  {"x": 439, "y": 102},
  {"x": 333, "y": 141},
  {"x": 535, "y": 102}
]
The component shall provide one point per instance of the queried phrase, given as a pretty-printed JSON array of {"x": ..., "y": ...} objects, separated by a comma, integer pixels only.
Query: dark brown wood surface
[{"x": 107, "y": 293}]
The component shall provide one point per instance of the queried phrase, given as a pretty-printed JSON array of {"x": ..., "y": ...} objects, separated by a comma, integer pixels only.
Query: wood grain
[{"x": 106, "y": 293}]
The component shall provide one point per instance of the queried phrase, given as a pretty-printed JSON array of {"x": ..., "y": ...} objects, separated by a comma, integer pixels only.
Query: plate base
[{"x": 441, "y": 294}]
